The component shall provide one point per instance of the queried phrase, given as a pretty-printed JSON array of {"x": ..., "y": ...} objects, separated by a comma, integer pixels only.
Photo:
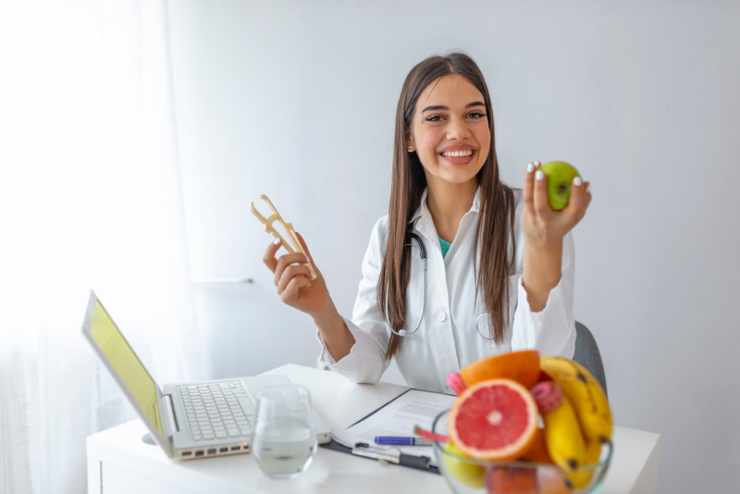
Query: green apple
[
  {"x": 467, "y": 473},
  {"x": 560, "y": 177}
]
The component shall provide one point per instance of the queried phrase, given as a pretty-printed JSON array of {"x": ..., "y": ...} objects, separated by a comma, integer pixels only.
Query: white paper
[{"x": 398, "y": 418}]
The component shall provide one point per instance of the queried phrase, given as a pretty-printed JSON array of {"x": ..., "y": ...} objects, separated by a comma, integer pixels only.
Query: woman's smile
[{"x": 458, "y": 156}]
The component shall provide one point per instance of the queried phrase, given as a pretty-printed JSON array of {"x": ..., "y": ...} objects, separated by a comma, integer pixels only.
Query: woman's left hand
[{"x": 542, "y": 225}]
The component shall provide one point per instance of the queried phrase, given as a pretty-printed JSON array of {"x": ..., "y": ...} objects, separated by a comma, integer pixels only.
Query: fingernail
[
  {"x": 530, "y": 167},
  {"x": 276, "y": 241},
  {"x": 539, "y": 175},
  {"x": 577, "y": 181}
]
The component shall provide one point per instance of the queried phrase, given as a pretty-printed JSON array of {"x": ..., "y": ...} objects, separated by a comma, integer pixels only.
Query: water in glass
[{"x": 284, "y": 442}]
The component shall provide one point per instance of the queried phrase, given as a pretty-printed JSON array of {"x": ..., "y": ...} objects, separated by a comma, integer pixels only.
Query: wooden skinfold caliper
[{"x": 293, "y": 244}]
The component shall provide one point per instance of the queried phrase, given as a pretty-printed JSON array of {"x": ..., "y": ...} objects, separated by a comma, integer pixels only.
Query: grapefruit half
[{"x": 494, "y": 420}]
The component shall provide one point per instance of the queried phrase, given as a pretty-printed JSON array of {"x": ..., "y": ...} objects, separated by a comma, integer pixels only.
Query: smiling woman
[
  {"x": 452, "y": 144},
  {"x": 490, "y": 269}
]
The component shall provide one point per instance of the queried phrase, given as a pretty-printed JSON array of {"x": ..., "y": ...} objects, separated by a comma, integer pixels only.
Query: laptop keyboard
[{"x": 217, "y": 410}]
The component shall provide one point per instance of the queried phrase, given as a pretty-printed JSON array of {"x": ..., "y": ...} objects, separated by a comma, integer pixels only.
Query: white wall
[{"x": 296, "y": 99}]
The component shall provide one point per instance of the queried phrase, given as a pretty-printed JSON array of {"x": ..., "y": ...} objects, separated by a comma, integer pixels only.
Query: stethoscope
[
  {"x": 402, "y": 332},
  {"x": 423, "y": 254}
]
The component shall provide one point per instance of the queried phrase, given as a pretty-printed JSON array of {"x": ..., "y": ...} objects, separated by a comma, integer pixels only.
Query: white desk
[{"x": 119, "y": 462}]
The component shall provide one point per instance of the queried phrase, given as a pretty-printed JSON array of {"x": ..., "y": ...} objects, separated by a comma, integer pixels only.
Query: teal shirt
[{"x": 445, "y": 246}]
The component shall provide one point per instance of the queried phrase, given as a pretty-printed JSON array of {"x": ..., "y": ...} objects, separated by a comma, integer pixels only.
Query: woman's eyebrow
[{"x": 442, "y": 107}]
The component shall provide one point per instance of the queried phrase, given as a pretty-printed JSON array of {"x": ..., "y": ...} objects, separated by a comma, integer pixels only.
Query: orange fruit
[
  {"x": 512, "y": 480},
  {"x": 494, "y": 420},
  {"x": 537, "y": 453},
  {"x": 521, "y": 366}
]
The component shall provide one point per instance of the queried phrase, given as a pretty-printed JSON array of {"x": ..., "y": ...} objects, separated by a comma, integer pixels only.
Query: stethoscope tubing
[
  {"x": 423, "y": 254},
  {"x": 404, "y": 333}
]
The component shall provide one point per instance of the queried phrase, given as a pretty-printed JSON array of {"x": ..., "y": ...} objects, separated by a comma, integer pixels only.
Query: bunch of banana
[
  {"x": 586, "y": 394},
  {"x": 577, "y": 420}
]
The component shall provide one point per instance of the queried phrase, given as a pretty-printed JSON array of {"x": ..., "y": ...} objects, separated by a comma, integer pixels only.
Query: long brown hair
[{"x": 495, "y": 233}]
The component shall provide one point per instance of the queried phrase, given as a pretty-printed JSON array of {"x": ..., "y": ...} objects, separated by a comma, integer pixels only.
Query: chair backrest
[{"x": 588, "y": 355}]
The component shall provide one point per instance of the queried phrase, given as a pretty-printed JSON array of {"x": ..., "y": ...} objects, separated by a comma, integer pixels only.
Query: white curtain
[{"x": 89, "y": 198}]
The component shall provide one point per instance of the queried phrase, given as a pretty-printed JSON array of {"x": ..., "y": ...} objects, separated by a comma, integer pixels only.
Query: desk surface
[{"x": 340, "y": 403}]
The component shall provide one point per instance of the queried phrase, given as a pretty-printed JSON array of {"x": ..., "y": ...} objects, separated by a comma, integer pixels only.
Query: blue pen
[{"x": 401, "y": 441}]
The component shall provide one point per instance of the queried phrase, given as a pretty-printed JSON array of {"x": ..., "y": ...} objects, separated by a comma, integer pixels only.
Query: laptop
[{"x": 188, "y": 420}]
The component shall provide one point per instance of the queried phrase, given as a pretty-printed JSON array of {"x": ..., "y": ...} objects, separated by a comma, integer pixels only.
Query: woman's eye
[{"x": 475, "y": 115}]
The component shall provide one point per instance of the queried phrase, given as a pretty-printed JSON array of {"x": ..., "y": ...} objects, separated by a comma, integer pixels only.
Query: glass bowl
[{"x": 470, "y": 476}]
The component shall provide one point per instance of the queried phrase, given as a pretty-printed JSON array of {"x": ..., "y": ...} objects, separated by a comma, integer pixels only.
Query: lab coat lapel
[
  {"x": 437, "y": 317},
  {"x": 424, "y": 224}
]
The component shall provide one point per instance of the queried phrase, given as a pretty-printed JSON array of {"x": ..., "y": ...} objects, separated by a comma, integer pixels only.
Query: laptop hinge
[{"x": 169, "y": 408}]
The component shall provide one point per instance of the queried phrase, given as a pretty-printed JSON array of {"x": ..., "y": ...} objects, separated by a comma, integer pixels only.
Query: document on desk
[{"x": 398, "y": 418}]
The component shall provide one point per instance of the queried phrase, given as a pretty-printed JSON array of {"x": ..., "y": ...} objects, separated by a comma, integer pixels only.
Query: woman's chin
[
  {"x": 454, "y": 174},
  {"x": 460, "y": 174},
  {"x": 457, "y": 177}
]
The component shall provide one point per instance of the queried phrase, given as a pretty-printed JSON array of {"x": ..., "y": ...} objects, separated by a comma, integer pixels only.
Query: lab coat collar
[{"x": 423, "y": 210}]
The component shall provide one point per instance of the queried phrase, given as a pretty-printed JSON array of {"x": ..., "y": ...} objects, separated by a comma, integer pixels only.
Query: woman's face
[{"x": 450, "y": 131}]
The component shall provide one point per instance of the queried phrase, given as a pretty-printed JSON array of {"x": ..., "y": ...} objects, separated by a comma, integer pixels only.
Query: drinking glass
[{"x": 283, "y": 441}]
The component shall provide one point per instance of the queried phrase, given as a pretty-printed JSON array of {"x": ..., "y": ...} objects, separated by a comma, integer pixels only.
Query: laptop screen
[{"x": 123, "y": 362}]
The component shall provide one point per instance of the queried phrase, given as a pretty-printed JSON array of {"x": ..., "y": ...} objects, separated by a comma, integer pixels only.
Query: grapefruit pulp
[{"x": 494, "y": 420}]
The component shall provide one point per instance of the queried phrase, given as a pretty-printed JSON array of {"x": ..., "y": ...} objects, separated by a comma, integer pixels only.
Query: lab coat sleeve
[
  {"x": 552, "y": 330},
  {"x": 365, "y": 363}
]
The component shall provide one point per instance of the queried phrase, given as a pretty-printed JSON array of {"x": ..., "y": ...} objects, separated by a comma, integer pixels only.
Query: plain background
[{"x": 297, "y": 100}]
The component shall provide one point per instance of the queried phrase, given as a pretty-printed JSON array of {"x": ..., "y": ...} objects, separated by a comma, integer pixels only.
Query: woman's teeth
[
  {"x": 457, "y": 154},
  {"x": 462, "y": 157}
]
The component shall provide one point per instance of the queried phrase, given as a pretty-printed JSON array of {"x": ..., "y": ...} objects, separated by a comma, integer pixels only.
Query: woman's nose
[{"x": 457, "y": 129}]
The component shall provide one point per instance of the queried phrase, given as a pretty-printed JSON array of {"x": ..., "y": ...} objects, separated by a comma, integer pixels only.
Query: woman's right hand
[{"x": 294, "y": 283}]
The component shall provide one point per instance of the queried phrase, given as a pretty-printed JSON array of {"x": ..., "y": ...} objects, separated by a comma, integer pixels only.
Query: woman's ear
[{"x": 410, "y": 144}]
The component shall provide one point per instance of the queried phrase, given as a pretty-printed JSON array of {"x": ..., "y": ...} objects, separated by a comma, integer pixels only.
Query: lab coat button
[{"x": 442, "y": 316}]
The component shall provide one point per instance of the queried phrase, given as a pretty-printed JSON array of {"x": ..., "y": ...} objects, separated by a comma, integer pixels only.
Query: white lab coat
[{"x": 448, "y": 337}]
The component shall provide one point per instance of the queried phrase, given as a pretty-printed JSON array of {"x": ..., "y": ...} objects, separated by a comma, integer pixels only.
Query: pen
[{"x": 402, "y": 441}]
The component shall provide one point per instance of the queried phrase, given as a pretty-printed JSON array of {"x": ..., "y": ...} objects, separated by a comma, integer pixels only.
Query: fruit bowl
[{"x": 469, "y": 476}]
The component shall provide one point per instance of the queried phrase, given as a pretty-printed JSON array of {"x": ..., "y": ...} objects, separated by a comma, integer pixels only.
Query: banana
[
  {"x": 586, "y": 394},
  {"x": 582, "y": 477},
  {"x": 563, "y": 436}
]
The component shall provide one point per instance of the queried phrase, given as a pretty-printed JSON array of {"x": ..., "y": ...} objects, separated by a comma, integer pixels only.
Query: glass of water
[{"x": 283, "y": 441}]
